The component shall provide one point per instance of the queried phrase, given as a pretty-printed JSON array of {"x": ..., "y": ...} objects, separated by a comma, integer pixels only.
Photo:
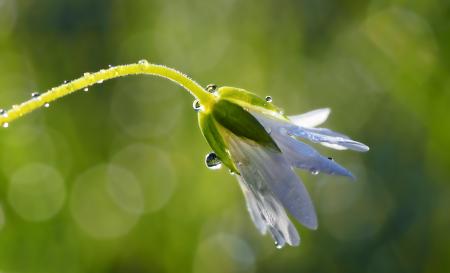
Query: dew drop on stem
[
  {"x": 196, "y": 105},
  {"x": 211, "y": 88},
  {"x": 35, "y": 95},
  {"x": 143, "y": 61}
]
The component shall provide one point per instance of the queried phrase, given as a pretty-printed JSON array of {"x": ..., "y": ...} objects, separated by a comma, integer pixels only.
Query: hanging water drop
[
  {"x": 196, "y": 105},
  {"x": 278, "y": 245},
  {"x": 47, "y": 105},
  {"x": 330, "y": 158},
  {"x": 3, "y": 113},
  {"x": 314, "y": 171},
  {"x": 268, "y": 98},
  {"x": 86, "y": 89},
  {"x": 110, "y": 66},
  {"x": 143, "y": 62},
  {"x": 211, "y": 88},
  {"x": 65, "y": 82},
  {"x": 5, "y": 125},
  {"x": 100, "y": 81},
  {"x": 35, "y": 95},
  {"x": 212, "y": 161}
]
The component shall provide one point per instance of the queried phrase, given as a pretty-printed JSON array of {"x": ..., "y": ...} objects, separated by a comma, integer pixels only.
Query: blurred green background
[{"x": 113, "y": 180}]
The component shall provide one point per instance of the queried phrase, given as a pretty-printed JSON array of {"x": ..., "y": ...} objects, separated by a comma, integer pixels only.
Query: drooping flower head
[{"x": 260, "y": 146}]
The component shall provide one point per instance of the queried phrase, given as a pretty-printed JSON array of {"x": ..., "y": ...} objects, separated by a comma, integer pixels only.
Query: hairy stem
[{"x": 88, "y": 79}]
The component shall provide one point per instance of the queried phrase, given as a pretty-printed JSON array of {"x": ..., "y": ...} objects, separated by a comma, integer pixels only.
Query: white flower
[{"x": 261, "y": 146}]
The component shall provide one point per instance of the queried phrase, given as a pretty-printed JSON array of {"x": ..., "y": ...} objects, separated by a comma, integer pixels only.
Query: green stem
[{"x": 88, "y": 79}]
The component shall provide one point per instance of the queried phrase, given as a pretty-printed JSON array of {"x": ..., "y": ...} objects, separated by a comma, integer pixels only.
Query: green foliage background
[{"x": 382, "y": 66}]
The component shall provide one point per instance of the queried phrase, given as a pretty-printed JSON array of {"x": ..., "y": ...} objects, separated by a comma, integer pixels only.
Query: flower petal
[
  {"x": 327, "y": 138},
  {"x": 252, "y": 206},
  {"x": 312, "y": 118},
  {"x": 304, "y": 156},
  {"x": 266, "y": 170},
  {"x": 267, "y": 214},
  {"x": 323, "y": 136}
]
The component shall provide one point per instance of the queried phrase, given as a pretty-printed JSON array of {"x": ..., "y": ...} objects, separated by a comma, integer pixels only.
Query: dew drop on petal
[
  {"x": 86, "y": 89},
  {"x": 35, "y": 95},
  {"x": 5, "y": 125},
  {"x": 278, "y": 245},
  {"x": 110, "y": 66},
  {"x": 211, "y": 88},
  {"x": 268, "y": 98},
  {"x": 100, "y": 81},
  {"x": 143, "y": 61},
  {"x": 330, "y": 158},
  {"x": 314, "y": 171},
  {"x": 47, "y": 105},
  {"x": 196, "y": 105},
  {"x": 65, "y": 82},
  {"x": 212, "y": 161},
  {"x": 3, "y": 113}
]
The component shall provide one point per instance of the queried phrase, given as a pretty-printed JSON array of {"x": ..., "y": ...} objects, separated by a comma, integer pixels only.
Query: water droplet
[
  {"x": 212, "y": 161},
  {"x": 35, "y": 95},
  {"x": 3, "y": 113},
  {"x": 196, "y": 105},
  {"x": 86, "y": 89},
  {"x": 100, "y": 81},
  {"x": 211, "y": 88},
  {"x": 110, "y": 66},
  {"x": 47, "y": 105},
  {"x": 65, "y": 82},
  {"x": 314, "y": 171},
  {"x": 269, "y": 99},
  {"x": 5, "y": 125},
  {"x": 330, "y": 158},
  {"x": 278, "y": 245},
  {"x": 143, "y": 61}
]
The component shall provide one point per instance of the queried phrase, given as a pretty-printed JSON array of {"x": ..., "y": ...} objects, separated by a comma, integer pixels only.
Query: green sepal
[
  {"x": 249, "y": 100},
  {"x": 241, "y": 123},
  {"x": 213, "y": 135}
]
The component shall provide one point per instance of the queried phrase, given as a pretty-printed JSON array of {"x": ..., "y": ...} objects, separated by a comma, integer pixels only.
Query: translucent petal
[
  {"x": 266, "y": 171},
  {"x": 252, "y": 206},
  {"x": 304, "y": 156},
  {"x": 326, "y": 136},
  {"x": 323, "y": 136},
  {"x": 267, "y": 214},
  {"x": 311, "y": 119}
]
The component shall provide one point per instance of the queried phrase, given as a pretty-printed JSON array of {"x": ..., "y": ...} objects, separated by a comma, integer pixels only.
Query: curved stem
[{"x": 88, "y": 79}]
